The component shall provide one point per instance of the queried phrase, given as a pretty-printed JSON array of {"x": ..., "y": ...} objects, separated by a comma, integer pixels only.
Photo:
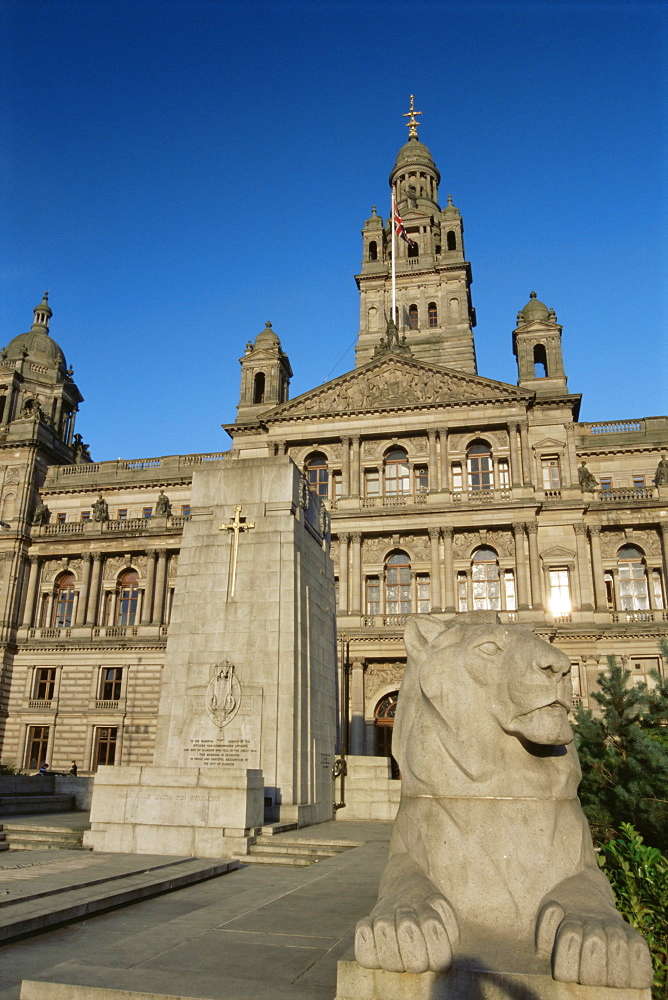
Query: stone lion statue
[{"x": 491, "y": 853}]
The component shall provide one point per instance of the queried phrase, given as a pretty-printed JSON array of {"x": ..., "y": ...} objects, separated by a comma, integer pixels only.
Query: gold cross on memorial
[{"x": 236, "y": 525}]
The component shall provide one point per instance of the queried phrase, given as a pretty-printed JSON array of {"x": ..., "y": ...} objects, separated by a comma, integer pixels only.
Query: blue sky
[{"x": 176, "y": 172}]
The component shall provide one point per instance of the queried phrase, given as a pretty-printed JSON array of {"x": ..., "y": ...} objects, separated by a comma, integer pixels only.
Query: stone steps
[
  {"x": 294, "y": 851},
  {"x": 13, "y": 805},
  {"x": 21, "y": 837},
  {"x": 39, "y": 908},
  {"x": 4, "y": 846}
]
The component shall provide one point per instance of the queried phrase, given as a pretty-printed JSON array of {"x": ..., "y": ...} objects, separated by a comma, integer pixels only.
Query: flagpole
[{"x": 394, "y": 255}]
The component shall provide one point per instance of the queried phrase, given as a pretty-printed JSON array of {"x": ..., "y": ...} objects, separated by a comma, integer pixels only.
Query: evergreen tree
[{"x": 624, "y": 765}]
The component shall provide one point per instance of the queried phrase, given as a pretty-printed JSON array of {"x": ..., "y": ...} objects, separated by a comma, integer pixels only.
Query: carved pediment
[
  {"x": 558, "y": 554},
  {"x": 393, "y": 381}
]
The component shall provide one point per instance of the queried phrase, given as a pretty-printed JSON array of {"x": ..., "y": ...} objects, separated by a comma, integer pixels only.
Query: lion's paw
[
  {"x": 593, "y": 949},
  {"x": 407, "y": 938}
]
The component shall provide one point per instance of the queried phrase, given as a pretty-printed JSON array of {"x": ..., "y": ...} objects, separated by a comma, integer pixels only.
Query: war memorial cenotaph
[{"x": 247, "y": 722}]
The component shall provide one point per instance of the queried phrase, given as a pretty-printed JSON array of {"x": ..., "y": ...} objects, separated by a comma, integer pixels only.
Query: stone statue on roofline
[
  {"x": 41, "y": 515},
  {"x": 491, "y": 865},
  {"x": 100, "y": 509},
  {"x": 661, "y": 477},
  {"x": 163, "y": 507},
  {"x": 588, "y": 482}
]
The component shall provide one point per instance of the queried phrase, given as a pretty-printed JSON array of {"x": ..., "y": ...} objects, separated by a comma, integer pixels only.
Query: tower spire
[{"x": 412, "y": 122}]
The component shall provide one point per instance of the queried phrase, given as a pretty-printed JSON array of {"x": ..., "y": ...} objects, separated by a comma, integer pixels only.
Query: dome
[
  {"x": 450, "y": 211},
  {"x": 534, "y": 309},
  {"x": 414, "y": 152},
  {"x": 36, "y": 343},
  {"x": 266, "y": 338},
  {"x": 374, "y": 221}
]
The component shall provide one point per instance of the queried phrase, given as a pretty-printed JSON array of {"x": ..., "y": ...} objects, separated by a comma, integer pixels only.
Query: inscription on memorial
[{"x": 222, "y": 753}]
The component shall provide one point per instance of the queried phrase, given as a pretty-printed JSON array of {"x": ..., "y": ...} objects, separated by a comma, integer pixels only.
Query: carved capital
[
  {"x": 151, "y": 553},
  {"x": 434, "y": 534},
  {"x": 447, "y": 533},
  {"x": 579, "y": 528},
  {"x": 85, "y": 556},
  {"x": 356, "y": 537},
  {"x": 519, "y": 527},
  {"x": 34, "y": 560},
  {"x": 345, "y": 440},
  {"x": 531, "y": 528},
  {"x": 594, "y": 529},
  {"x": 98, "y": 557},
  {"x": 432, "y": 436},
  {"x": 513, "y": 426},
  {"x": 343, "y": 537}
]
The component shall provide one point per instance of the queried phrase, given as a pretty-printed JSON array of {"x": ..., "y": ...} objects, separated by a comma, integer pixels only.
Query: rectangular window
[
  {"x": 85, "y": 515},
  {"x": 146, "y": 512},
  {"x": 185, "y": 510},
  {"x": 462, "y": 594},
  {"x": 336, "y": 593},
  {"x": 560, "y": 595},
  {"x": 373, "y": 595},
  {"x": 371, "y": 483},
  {"x": 457, "y": 477},
  {"x": 104, "y": 751},
  {"x": 550, "y": 470},
  {"x": 45, "y": 683},
  {"x": 337, "y": 484},
  {"x": 110, "y": 683},
  {"x": 421, "y": 478},
  {"x": 509, "y": 584},
  {"x": 641, "y": 666},
  {"x": 61, "y": 518},
  {"x": 504, "y": 474},
  {"x": 606, "y": 483},
  {"x": 657, "y": 589},
  {"x": 609, "y": 590},
  {"x": 575, "y": 679},
  {"x": 122, "y": 514},
  {"x": 423, "y": 585},
  {"x": 36, "y": 746},
  {"x": 638, "y": 482}
]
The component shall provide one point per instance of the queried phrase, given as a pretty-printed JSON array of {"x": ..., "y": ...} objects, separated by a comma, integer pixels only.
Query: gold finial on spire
[{"x": 412, "y": 122}]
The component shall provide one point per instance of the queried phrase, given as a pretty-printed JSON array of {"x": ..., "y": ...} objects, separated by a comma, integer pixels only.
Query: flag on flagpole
[{"x": 400, "y": 229}]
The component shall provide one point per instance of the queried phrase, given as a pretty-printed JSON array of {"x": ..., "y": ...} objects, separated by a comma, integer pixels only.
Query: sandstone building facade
[{"x": 448, "y": 491}]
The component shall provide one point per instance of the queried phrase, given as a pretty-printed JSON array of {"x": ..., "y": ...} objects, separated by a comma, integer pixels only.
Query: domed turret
[
  {"x": 265, "y": 375},
  {"x": 533, "y": 310},
  {"x": 36, "y": 344},
  {"x": 266, "y": 338}
]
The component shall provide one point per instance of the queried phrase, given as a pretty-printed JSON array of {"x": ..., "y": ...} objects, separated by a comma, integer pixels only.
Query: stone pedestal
[
  {"x": 461, "y": 983},
  {"x": 206, "y": 812}
]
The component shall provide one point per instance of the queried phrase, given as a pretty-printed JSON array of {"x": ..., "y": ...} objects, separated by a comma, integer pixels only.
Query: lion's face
[{"x": 523, "y": 682}]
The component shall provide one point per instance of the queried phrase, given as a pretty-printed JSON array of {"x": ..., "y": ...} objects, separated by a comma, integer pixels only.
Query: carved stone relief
[
  {"x": 502, "y": 541},
  {"x": 379, "y": 676},
  {"x": 463, "y": 542},
  {"x": 649, "y": 541},
  {"x": 374, "y": 549},
  {"x": 12, "y": 474}
]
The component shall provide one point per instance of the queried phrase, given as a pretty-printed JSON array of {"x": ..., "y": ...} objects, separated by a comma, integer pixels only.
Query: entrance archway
[{"x": 383, "y": 726}]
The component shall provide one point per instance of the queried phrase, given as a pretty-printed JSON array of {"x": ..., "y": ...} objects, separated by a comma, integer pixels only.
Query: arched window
[
  {"x": 397, "y": 473},
  {"x": 480, "y": 469},
  {"x": 63, "y": 601},
  {"x": 258, "y": 387},
  {"x": 398, "y": 584},
  {"x": 8, "y": 506},
  {"x": 373, "y": 250},
  {"x": 413, "y": 317},
  {"x": 540, "y": 361},
  {"x": 485, "y": 580},
  {"x": 317, "y": 474},
  {"x": 127, "y": 598},
  {"x": 453, "y": 306},
  {"x": 452, "y": 240},
  {"x": 432, "y": 314},
  {"x": 383, "y": 725},
  {"x": 633, "y": 591},
  {"x": 413, "y": 249}
]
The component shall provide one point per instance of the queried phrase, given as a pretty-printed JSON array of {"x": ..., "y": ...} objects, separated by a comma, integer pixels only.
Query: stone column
[
  {"x": 526, "y": 455},
  {"x": 345, "y": 466},
  {"x": 515, "y": 469},
  {"x": 433, "y": 462},
  {"x": 355, "y": 474},
  {"x": 94, "y": 598},
  {"x": 357, "y": 708},
  {"x": 521, "y": 568},
  {"x": 445, "y": 471},
  {"x": 343, "y": 572},
  {"x": 583, "y": 567},
  {"x": 435, "y": 578},
  {"x": 159, "y": 598},
  {"x": 449, "y": 566},
  {"x": 570, "y": 458},
  {"x": 356, "y": 588},
  {"x": 664, "y": 554},
  {"x": 597, "y": 567},
  {"x": 534, "y": 566},
  {"x": 32, "y": 592},
  {"x": 615, "y": 587},
  {"x": 147, "y": 603},
  {"x": 87, "y": 564}
]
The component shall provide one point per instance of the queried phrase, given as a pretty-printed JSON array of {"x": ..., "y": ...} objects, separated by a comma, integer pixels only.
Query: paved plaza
[{"x": 256, "y": 933}]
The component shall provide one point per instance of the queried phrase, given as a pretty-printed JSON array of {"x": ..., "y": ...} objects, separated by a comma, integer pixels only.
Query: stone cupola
[
  {"x": 537, "y": 347},
  {"x": 265, "y": 375}
]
